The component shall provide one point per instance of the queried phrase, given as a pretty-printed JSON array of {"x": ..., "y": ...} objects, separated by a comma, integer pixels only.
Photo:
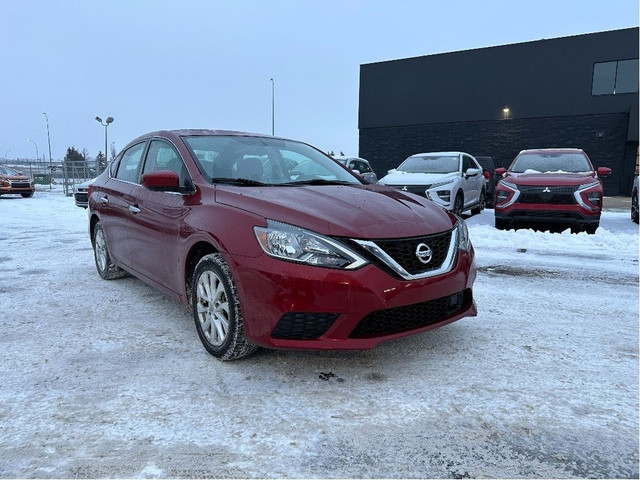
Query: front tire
[
  {"x": 27, "y": 195},
  {"x": 216, "y": 310},
  {"x": 458, "y": 205},
  {"x": 501, "y": 224},
  {"x": 106, "y": 269},
  {"x": 634, "y": 206}
]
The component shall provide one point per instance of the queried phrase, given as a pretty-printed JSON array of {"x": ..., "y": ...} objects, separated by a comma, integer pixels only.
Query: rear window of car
[{"x": 551, "y": 162}]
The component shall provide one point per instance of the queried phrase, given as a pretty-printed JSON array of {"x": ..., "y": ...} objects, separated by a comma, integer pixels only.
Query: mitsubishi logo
[
  {"x": 424, "y": 253},
  {"x": 546, "y": 190},
  {"x": 404, "y": 189}
]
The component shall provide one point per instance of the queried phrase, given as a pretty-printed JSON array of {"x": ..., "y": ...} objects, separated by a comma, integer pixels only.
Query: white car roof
[{"x": 440, "y": 153}]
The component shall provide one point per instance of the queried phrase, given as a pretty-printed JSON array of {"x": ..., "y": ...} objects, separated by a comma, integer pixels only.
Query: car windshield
[
  {"x": 430, "y": 164},
  {"x": 8, "y": 171},
  {"x": 251, "y": 161},
  {"x": 551, "y": 162}
]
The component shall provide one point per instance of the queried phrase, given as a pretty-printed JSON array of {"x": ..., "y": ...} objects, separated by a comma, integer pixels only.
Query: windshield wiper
[
  {"x": 245, "y": 182},
  {"x": 318, "y": 181}
]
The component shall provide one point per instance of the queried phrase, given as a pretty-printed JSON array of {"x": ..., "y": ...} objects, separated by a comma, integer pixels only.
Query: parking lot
[{"x": 109, "y": 379}]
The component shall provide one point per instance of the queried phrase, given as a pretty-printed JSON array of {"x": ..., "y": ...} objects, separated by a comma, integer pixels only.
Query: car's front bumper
[
  {"x": 545, "y": 213},
  {"x": 285, "y": 305}
]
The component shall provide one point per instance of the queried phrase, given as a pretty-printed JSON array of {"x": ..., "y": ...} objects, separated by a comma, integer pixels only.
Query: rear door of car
[{"x": 155, "y": 220}]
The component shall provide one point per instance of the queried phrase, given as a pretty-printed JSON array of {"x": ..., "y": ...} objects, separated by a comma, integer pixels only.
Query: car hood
[
  {"x": 406, "y": 178},
  {"x": 359, "y": 211},
  {"x": 14, "y": 177},
  {"x": 554, "y": 178}
]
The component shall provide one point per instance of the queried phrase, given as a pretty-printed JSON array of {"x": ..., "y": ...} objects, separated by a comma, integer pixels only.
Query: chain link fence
[{"x": 65, "y": 173}]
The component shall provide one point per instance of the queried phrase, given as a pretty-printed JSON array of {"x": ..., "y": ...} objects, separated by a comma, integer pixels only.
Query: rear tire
[
  {"x": 216, "y": 310},
  {"x": 481, "y": 204},
  {"x": 106, "y": 269}
]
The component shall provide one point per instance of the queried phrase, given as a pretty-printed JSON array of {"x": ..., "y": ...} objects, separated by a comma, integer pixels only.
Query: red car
[
  {"x": 558, "y": 186},
  {"x": 274, "y": 244},
  {"x": 14, "y": 182}
]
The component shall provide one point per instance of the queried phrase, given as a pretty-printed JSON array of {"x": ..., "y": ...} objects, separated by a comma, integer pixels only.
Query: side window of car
[
  {"x": 130, "y": 163},
  {"x": 163, "y": 156},
  {"x": 467, "y": 163},
  {"x": 362, "y": 167}
]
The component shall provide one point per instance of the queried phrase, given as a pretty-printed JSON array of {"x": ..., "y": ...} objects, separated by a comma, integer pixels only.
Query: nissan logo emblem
[{"x": 424, "y": 253}]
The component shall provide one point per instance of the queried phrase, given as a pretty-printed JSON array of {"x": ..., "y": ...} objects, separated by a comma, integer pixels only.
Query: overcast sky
[{"x": 207, "y": 64}]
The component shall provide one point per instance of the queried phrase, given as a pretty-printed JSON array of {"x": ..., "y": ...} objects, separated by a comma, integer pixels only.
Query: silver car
[{"x": 359, "y": 166}]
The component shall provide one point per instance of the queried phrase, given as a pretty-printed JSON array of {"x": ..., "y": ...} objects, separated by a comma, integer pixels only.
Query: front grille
[
  {"x": 545, "y": 214},
  {"x": 20, "y": 184},
  {"x": 403, "y": 251},
  {"x": 303, "y": 325},
  {"x": 411, "y": 317},
  {"x": 556, "y": 195},
  {"x": 415, "y": 189},
  {"x": 81, "y": 197}
]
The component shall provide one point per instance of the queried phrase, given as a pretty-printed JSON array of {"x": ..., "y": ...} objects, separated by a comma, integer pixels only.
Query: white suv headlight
[
  {"x": 442, "y": 184},
  {"x": 295, "y": 244}
]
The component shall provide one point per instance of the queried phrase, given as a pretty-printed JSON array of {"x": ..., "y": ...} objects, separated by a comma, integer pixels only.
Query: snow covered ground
[{"x": 109, "y": 379}]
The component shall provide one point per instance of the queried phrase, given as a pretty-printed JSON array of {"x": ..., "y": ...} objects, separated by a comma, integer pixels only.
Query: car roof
[
  {"x": 552, "y": 150},
  {"x": 347, "y": 157},
  {"x": 196, "y": 132},
  {"x": 441, "y": 153}
]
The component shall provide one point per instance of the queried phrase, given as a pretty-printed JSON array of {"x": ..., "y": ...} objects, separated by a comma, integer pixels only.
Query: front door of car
[
  {"x": 155, "y": 221},
  {"x": 114, "y": 199},
  {"x": 472, "y": 185}
]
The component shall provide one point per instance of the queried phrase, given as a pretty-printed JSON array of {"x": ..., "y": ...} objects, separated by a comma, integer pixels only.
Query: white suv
[{"x": 453, "y": 180}]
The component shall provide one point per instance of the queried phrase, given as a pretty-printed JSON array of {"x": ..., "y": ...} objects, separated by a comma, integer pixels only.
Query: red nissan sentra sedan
[{"x": 272, "y": 243}]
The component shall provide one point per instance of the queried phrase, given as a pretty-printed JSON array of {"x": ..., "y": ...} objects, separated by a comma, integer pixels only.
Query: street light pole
[
  {"x": 7, "y": 153},
  {"x": 37, "y": 153},
  {"x": 49, "y": 141},
  {"x": 105, "y": 124},
  {"x": 273, "y": 104}
]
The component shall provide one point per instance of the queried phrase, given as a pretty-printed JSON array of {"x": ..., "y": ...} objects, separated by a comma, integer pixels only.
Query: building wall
[
  {"x": 602, "y": 137},
  {"x": 455, "y": 101}
]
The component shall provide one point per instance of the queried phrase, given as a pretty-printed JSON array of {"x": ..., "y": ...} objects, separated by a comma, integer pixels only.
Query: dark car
[
  {"x": 489, "y": 171},
  {"x": 550, "y": 186},
  {"x": 634, "y": 201},
  {"x": 14, "y": 182},
  {"x": 267, "y": 254}
]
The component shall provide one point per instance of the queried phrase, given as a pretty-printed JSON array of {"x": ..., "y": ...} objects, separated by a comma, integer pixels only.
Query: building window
[{"x": 611, "y": 78}]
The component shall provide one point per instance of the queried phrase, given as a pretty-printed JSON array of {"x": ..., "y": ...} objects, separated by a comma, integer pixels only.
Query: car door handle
[
  {"x": 134, "y": 209},
  {"x": 104, "y": 200}
]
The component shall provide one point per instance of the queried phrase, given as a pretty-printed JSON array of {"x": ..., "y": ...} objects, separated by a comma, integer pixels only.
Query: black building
[{"x": 579, "y": 91}]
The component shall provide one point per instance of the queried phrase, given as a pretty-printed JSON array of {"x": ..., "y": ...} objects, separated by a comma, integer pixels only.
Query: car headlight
[
  {"x": 295, "y": 244},
  {"x": 510, "y": 185},
  {"x": 464, "y": 242},
  {"x": 442, "y": 184}
]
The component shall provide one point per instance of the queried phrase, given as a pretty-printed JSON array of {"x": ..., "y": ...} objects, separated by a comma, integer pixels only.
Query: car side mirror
[
  {"x": 472, "y": 172},
  {"x": 501, "y": 171},
  {"x": 604, "y": 171},
  {"x": 356, "y": 171},
  {"x": 162, "y": 180}
]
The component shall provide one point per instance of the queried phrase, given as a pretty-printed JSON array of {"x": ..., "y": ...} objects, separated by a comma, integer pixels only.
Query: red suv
[
  {"x": 556, "y": 186},
  {"x": 272, "y": 243}
]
